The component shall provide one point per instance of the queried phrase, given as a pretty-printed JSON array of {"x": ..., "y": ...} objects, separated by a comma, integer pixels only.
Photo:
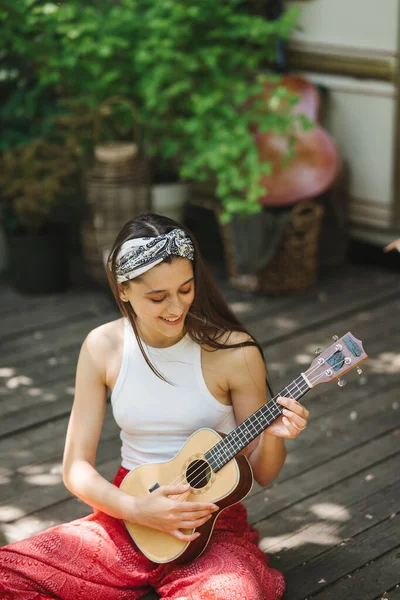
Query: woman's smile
[{"x": 171, "y": 321}]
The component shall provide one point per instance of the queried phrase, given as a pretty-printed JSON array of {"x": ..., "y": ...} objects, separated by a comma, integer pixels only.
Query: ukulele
[{"x": 211, "y": 462}]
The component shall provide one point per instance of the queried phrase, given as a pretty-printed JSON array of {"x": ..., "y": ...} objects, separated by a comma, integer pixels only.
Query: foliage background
[{"x": 191, "y": 68}]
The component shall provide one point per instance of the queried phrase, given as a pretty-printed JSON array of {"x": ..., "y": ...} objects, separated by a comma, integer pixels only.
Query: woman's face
[{"x": 161, "y": 299}]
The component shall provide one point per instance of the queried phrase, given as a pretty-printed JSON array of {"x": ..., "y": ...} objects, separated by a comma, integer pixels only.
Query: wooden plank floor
[{"x": 330, "y": 521}]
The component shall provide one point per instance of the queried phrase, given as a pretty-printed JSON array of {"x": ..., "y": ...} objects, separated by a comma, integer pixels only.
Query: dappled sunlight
[
  {"x": 327, "y": 510},
  {"x": 18, "y": 380},
  {"x": 20, "y": 453},
  {"x": 7, "y": 372},
  {"x": 311, "y": 348},
  {"x": 275, "y": 366},
  {"x": 46, "y": 475},
  {"x": 364, "y": 316},
  {"x": 22, "y": 386},
  {"x": 50, "y": 397},
  {"x": 278, "y": 322},
  {"x": 27, "y": 527},
  {"x": 285, "y": 323},
  {"x": 10, "y": 513},
  {"x": 241, "y": 307},
  {"x": 46, "y": 479},
  {"x": 279, "y": 369},
  {"x": 321, "y": 533},
  {"x": 385, "y": 362},
  {"x": 30, "y": 525},
  {"x": 34, "y": 391},
  {"x": 303, "y": 359},
  {"x": 39, "y": 469}
]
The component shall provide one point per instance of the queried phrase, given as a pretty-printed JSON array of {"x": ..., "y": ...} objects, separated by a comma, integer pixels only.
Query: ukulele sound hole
[{"x": 198, "y": 474}]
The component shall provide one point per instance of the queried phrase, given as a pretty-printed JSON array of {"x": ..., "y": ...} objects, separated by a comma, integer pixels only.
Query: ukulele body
[{"x": 227, "y": 486}]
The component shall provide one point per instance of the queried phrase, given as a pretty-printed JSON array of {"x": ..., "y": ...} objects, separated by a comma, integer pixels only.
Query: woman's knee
[{"x": 233, "y": 586}]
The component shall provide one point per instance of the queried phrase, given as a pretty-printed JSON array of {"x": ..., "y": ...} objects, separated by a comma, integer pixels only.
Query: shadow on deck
[{"x": 329, "y": 522}]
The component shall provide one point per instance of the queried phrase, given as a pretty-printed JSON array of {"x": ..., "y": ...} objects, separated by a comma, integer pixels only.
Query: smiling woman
[
  {"x": 160, "y": 313},
  {"x": 177, "y": 363},
  {"x": 168, "y": 272}
]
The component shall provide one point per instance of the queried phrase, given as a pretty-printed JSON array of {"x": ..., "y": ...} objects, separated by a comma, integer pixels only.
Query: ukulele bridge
[{"x": 154, "y": 487}]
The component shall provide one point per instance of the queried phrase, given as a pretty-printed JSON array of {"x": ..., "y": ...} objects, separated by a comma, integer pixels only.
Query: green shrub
[{"x": 192, "y": 68}]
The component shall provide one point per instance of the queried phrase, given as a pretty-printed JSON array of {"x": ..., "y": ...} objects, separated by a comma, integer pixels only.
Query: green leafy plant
[
  {"x": 198, "y": 82},
  {"x": 28, "y": 102},
  {"x": 192, "y": 69},
  {"x": 35, "y": 181}
]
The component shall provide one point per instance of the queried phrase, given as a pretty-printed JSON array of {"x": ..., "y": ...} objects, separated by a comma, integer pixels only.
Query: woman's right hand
[{"x": 159, "y": 511}]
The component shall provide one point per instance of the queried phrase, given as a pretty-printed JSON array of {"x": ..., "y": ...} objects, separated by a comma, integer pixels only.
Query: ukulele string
[
  {"x": 182, "y": 478},
  {"x": 311, "y": 370}
]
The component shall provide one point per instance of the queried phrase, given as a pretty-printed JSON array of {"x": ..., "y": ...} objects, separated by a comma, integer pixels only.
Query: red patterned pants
[{"x": 94, "y": 558}]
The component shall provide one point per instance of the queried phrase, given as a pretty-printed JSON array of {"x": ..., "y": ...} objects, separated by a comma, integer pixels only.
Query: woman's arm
[
  {"x": 158, "y": 510},
  {"x": 83, "y": 434},
  {"x": 247, "y": 384}
]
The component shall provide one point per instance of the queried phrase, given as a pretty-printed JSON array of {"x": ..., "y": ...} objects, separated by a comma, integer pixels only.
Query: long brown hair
[{"x": 209, "y": 316}]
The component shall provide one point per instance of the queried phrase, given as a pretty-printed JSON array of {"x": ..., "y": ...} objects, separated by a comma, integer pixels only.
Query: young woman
[{"x": 176, "y": 361}]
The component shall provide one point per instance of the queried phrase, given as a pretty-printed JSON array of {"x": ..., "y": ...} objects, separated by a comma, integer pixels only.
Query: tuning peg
[
  {"x": 335, "y": 338},
  {"x": 359, "y": 371},
  {"x": 317, "y": 351},
  {"x": 341, "y": 382}
]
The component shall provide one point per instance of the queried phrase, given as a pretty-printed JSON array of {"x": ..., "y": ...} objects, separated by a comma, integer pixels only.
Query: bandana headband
[{"x": 138, "y": 255}]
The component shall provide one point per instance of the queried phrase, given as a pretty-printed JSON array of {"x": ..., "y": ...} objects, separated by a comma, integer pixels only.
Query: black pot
[{"x": 39, "y": 263}]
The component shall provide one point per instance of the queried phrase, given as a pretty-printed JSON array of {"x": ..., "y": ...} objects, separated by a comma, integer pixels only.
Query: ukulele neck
[{"x": 234, "y": 442}]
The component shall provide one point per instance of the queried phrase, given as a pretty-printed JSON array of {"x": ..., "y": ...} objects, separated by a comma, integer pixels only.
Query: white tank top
[{"x": 156, "y": 418}]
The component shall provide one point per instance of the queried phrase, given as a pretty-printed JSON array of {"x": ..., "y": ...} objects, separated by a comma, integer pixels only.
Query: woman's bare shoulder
[
  {"x": 107, "y": 333},
  {"x": 231, "y": 360},
  {"x": 242, "y": 365},
  {"x": 105, "y": 339},
  {"x": 231, "y": 341}
]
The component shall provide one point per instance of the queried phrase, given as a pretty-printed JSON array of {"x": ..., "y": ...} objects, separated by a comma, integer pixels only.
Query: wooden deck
[{"x": 330, "y": 521}]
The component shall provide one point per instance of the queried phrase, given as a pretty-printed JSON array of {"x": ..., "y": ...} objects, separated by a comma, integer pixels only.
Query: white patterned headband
[{"x": 138, "y": 255}]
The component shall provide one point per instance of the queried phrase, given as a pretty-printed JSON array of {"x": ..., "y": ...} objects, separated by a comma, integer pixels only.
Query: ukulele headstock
[{"x": 342, "y": 356}]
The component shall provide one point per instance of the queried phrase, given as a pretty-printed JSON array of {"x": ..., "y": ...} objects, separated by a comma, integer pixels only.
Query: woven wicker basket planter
[
  {"x": 294, "y": 265},
  {"x": 115, "y": 193}
]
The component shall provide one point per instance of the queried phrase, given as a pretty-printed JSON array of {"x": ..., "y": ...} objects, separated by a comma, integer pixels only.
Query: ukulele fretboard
[{"x": 226, "y": 449}]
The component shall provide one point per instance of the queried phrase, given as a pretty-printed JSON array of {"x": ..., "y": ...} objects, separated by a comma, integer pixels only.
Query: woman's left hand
[{"x": 293, "y": 420}]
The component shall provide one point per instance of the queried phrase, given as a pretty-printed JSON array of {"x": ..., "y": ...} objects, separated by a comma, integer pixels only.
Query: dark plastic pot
[{"x": 39, "y": 263}]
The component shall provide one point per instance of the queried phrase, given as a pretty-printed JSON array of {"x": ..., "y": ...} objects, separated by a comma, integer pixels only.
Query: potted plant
[
  {"x": 201, "y": 77},
  {"x": 191, "y": 69},
  {"x": 198, "y": 76},
  {"x": 169, "y": 193},
  {"x": 37, "y": 163},
  {"x": 37, "y": 182}
]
